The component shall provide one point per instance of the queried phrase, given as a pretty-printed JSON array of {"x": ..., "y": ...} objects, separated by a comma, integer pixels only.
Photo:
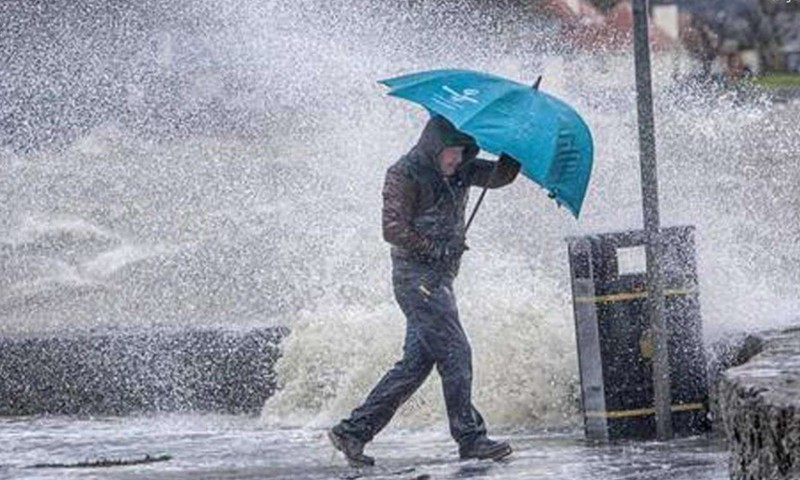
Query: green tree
[{"x": 772, "y": 24}]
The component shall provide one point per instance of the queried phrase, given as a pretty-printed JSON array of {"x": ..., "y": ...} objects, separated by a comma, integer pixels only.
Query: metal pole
[
  {"x": 477, "y": 205},
  {"x": 655, "y": 284}
]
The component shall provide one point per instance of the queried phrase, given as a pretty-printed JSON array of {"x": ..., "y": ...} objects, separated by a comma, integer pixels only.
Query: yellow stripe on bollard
[
  {"x": 686, "y": 407},
  {"x": 621, "y": 297}
]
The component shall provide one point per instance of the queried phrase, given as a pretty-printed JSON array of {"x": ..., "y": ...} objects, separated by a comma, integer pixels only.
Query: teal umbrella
[{"x": 543, "y": 133}]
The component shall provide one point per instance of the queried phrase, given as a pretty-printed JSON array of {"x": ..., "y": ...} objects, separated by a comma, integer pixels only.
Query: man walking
[{"x": 424, "y": 205}]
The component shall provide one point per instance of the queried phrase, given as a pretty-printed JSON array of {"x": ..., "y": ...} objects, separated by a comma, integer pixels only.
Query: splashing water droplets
[{"x": 222, "y": 164}]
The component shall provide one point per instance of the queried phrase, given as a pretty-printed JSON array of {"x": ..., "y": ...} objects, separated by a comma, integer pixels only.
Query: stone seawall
[
  {"x": 760, "y": 409},
  {"x": 123, "y": 373}
]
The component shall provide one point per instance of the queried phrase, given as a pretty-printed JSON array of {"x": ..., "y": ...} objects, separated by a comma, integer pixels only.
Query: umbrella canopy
[{"x": 543, "y": 133}]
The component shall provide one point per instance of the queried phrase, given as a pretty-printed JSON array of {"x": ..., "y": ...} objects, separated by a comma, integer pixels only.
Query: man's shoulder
[
  {"x": 398, "y": 166},
  {"x": 402, "y": 178},
  {"x": 404, "y": 167},
  {"x": 412, "y": 169}
]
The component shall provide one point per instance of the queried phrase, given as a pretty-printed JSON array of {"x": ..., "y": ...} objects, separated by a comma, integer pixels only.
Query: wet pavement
[{"x": 240, "y": 447}]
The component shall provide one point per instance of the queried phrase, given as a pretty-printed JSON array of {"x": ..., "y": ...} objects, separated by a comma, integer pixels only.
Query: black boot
[
  {"x": 352, "y": 448},
  {"x": 483, "y": 448}
]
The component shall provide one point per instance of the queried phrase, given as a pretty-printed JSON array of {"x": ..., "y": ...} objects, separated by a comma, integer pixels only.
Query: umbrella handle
[
  {"x": 480, "y": 199},
  {"x": 475, "y": 210}
]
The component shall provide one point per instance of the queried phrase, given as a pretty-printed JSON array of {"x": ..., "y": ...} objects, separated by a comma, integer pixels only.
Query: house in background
[
  {"x": 688, "y": 41},
  {"x": 585, "y": 27},
  {"x": 598, "y": 45},
  {"x": 791, "y": 57}
]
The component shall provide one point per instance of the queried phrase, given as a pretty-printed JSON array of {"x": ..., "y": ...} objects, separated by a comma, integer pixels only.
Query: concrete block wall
[
  {"x": 760, "y": 409},
  {"x": 122, "y": 373}
]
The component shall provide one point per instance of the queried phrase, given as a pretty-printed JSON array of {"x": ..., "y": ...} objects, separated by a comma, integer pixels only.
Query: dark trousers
[{"x": 434, "y": 336}]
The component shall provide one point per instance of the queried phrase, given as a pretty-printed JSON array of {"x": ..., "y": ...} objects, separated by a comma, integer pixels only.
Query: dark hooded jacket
[{"x": 420, "y": 205}]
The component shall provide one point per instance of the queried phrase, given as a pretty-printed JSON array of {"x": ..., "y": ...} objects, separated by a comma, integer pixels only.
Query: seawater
[{"x": 250, "y": 194}]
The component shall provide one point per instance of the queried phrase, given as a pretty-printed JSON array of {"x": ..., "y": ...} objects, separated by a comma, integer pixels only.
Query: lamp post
[{"x": 655, "y": 282}]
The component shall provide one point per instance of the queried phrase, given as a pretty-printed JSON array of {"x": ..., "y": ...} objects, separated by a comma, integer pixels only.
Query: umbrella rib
[
  {"x": 428, "y": 78},
  {"x": 413, "y": 84},
  {"x": 446, "y": 72}
]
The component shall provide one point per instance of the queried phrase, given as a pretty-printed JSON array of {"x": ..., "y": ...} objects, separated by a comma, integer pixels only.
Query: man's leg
[
  {"x": 447, "y": 342},
  {"x": 396, "y": 386}
]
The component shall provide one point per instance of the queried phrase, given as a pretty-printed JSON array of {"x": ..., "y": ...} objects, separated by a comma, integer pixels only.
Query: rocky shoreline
[{"x": 759, "y": 402}]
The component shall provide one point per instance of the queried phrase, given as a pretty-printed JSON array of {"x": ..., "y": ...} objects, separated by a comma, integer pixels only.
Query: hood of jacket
[{"x": 438, "y": 134}]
